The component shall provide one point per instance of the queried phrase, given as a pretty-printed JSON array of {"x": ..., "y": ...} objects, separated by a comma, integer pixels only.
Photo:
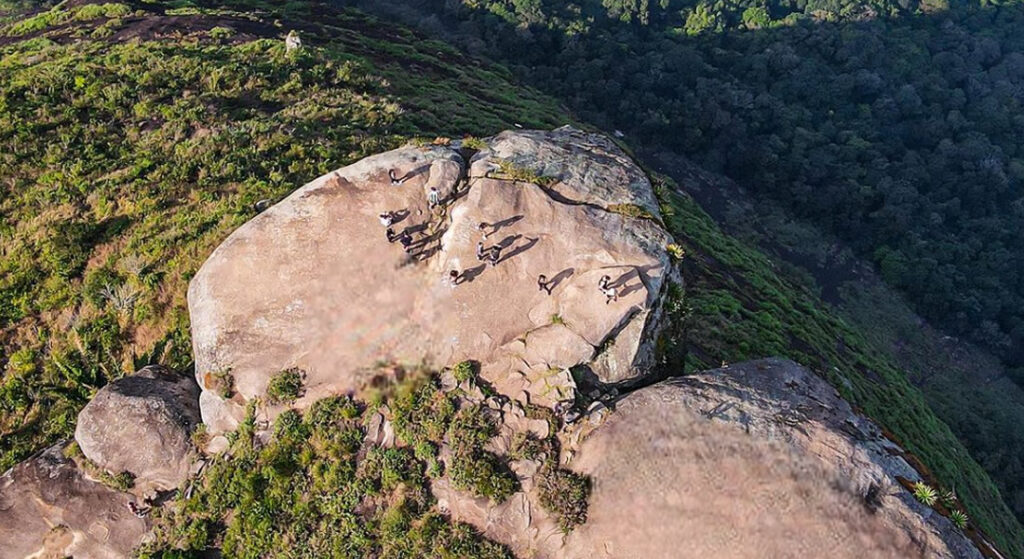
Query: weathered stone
[
  {"x": 49, "y": 508},
  {"x": 312, "y": 282},
  {"x": 589, "y": 168},
  {"x": 707, "y": 466},
  {"x": 143, "y": 424}
]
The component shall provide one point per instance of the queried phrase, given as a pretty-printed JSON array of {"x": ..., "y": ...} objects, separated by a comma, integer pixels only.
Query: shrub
[
  {"x": 959, "y": 519},
  {"x": 464, "y": 371},
  {"x": 484, "y": 474},
  {"x": 675, "y": 251},
  {"x": 948, "y": 499},
  {"x": 925, "y": 493},
  {"x": 631, "y": 210},
  {"x": 285, "y": 386},
  {"x": 565, "y": 494},
  {"x": 122, "y": 481},
  {"x": 222, "y": 382},
  {"x": 471, "y": 142}
]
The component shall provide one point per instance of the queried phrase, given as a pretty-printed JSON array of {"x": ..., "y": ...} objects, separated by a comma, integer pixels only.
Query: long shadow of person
[{"x": 519, "y": 250}]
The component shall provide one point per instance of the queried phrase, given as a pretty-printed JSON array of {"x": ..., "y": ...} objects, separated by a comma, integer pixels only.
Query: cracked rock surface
[
  {"x": 313, "y": 282},
  {"x": 50, "y": 508}
]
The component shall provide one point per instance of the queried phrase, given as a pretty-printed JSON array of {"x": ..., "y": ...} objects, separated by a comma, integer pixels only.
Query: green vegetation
[
  {"x": 510, "y": 171},
  {"x": 891, "y": 125},
  {"x": 122, "y": 481},
  {"x": 223, "y": 383},
  {"x": 129, "y": 156},
  {"x": 736, "y": 305},
  {"x": 565, "y": 494},
  {"x": 959, "y": 519},
  {"x": 464, "y": 371},
  {"x": 285, "y": 387},
  {"x": 473, "y": 468},
  {"x": 317, "y": 490},
  {"x": 925, "y": 493},
  {"x": 631, "y": 210}
]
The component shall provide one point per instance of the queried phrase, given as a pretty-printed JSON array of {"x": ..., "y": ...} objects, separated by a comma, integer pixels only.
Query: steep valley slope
[
  {"x": 180, "y": 119},
  {"x": 436, "y": 426}
]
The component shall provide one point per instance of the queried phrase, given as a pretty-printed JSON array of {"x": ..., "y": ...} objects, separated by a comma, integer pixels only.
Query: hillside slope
[
  {"x": 137, "y": 136},
  {"x": 141, "y": 135}
]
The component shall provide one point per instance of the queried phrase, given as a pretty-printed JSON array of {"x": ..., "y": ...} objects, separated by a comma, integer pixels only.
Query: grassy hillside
[{"x": 137, "y": 136}]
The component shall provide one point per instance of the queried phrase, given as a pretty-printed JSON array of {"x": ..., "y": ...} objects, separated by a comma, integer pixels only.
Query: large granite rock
[
  {"x": 313, "y": 284},
  {"x": 143, "y": 424},
  {"x": 759, "y": 459},
  {"x": 50, "y": 509}
]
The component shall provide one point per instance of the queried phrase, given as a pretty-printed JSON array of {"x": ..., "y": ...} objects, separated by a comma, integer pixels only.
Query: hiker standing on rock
[
  {"x": 542, "y": 283},
  {"x": 493, "y": 256},
  {"x": 433, "y": 198},
  {"x": 453, "y": 277},
  {"x": 482, "y": 228},
  {"x": 391, "y": 235},
  {"x": 395, "y": 181},
  {"x": 480, "y": 251},
  {"x": 610, "y": 293}
]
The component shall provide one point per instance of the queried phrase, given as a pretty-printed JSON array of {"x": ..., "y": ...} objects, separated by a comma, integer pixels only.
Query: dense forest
[{"x": 896, "y": 126}]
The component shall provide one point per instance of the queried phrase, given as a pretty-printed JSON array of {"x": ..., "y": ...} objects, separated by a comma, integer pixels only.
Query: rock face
[
  {"x": 48, "y": 508},
  {"x": 143, "y": 424},
  {"x": 760, "y": 459},
  {"x": 313, "y": 283}
]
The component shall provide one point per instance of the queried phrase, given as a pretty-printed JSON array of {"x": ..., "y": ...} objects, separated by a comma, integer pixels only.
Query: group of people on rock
[{"x": 491, "y": 255}]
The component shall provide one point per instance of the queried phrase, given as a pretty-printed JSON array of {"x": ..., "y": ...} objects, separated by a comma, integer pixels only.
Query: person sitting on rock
[
  {"x": 433, "y": 197},
  {"x": 406, "y": 239},
  {"x": 387, "y": 219},
  {"x": 602, "y": 283},
  {"x": 391, "y": 235},
  {"x": 395, "y": 181}
]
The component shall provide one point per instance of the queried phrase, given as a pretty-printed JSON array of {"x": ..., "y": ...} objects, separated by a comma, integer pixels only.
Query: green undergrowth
[
  {"x": 316, "y": 489},
  {"x": 129, "y": 156},
  {"x": 736, "y": 306}
]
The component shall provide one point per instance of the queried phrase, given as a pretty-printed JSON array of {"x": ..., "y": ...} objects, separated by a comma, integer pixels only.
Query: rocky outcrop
[
  {"x": 312, "y": 283},
  {"x": 50, "y": 509},
  {"x": 143, "y": 424},
  {"x": 760, "y": 459}
]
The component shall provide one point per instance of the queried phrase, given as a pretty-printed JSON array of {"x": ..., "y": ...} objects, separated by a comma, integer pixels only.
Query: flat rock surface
[
  {"x": 50, "y": 509},
  {"x": 143, "y": 424},
  {"x": 313, "y": 283}
]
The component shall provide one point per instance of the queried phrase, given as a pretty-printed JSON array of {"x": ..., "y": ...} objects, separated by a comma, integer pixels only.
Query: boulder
[
  {"x": 760, "y": 459},
  {"x": 143, "y": 424},
  {"x": 49, "y": 508},
  {"x": 313, "y": 283}
]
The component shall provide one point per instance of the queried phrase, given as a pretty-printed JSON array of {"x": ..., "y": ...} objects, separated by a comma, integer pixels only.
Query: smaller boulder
[{"x": 142, "y": 424}]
